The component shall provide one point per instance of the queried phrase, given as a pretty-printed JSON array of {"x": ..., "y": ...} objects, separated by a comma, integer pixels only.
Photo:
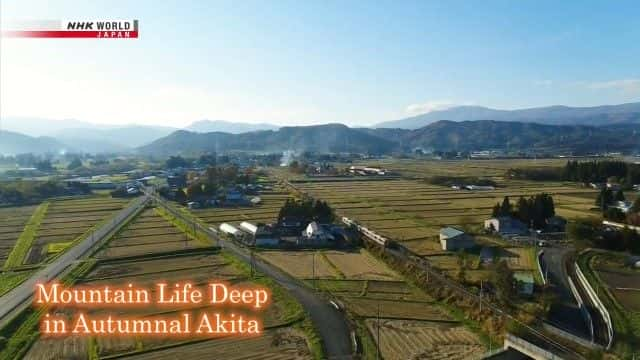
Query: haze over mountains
[
  {"x": 461, "y": 128},
  {"x": 551, "y": 115}
]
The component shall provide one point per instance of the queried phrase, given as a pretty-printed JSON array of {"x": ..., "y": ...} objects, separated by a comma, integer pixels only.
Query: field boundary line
[{"x": 27, "y": 237}]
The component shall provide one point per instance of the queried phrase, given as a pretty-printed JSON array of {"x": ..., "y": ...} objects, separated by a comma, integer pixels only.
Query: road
[
  {"x": 565, "y": 312},
  {"x": 330, "y": 323},
  {"x": 15, "y": 300}
]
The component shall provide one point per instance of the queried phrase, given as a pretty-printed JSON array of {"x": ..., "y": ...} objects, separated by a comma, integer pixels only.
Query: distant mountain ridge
[
  {"x": 322, "y": 138},
  {"x": 12, "y": 143},
  {"x": 550, "y": 115},
  {"x": 205, "y": 126},
  {"x": 441, "y": 135}
]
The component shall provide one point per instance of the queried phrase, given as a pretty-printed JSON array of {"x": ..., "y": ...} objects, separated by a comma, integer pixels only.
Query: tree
[
  {"x": 207, "y": 160},
  {"x": 604, "y": 199},
  {"x": 505, "y": 208},
  {"x": 636, "y": 205},
  {"x": 176, "y": 162},
  {"x": 194, "y": 191},
  {"x": 496, "y": 210},
  {"x": 583, "y": 229},
  {"x": 502, "y": 278},
  {"x": 74, "y": 164}
]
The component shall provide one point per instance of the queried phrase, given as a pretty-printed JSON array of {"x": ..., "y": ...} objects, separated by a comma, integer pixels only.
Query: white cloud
[
  {"x": 625, "y": 85},
  {"x": 429, "y": 106}
]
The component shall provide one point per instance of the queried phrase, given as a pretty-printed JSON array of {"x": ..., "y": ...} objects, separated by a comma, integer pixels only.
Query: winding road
[{"x": 330, "y": 323}]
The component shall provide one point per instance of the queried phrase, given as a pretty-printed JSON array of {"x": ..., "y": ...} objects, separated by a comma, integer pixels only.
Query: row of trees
[
  {"x": 23, "y": 192},
  {"x": 307, "y": 210},
  {"x": 593, "y": 233},
  {"x": 601, "y": 171},
  {"x": 533, "y": 211}
]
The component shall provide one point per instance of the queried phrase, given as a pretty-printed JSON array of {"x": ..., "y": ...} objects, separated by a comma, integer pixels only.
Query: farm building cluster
[{"x": 288, "y": 232}]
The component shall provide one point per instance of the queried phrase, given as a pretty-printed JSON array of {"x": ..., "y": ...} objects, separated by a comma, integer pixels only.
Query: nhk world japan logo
[{"x": 99, "y": 29}]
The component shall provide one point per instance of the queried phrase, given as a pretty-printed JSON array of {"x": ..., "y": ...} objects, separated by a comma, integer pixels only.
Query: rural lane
[
  {"x": 330, "y": 323},
  {"x": 17, "y": 297},
  {"x": 564, "y": 312}
]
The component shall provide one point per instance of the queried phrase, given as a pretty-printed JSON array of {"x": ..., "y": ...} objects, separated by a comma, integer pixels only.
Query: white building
[
  {"x": 248, "y": 227},
  {"x": 453, "y": 239},
  {"x": 230, "y": 230}
]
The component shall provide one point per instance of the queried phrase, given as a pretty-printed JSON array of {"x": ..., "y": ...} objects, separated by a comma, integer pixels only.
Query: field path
[
  {"x": 331, "y": 324},
  {"x": 12, "y": 302}
]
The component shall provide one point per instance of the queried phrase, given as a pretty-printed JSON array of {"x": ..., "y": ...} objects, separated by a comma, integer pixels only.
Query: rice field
[
  {"x": 150, "y": 250},
  {"x": 147, "y": 234},
  {"x": 409, "y": 339},
  {"x": 367, "y": 289},
  {"x": 66, "y": 220},
  {"x": 12, "y": 223}
]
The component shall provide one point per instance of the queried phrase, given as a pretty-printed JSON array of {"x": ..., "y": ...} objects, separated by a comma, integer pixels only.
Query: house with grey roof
[{"x": 453, "y": 239}]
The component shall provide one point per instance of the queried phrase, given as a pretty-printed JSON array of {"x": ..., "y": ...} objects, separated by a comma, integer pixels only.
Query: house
[
  {"x": 177, "y": 181},
  {"x": 260, "y": 235},
  {"x": 505, "y": 226},
  {"x": 231, "y": 230},
  {"x": 234, "y": 198},
  {"x": 265, "y": 236},
  {"x": 453, "y": 239},
  {"x": 524, "y": 283},
  {"x": 290, "y": 225},
  {"x": 316, "y": 234}
]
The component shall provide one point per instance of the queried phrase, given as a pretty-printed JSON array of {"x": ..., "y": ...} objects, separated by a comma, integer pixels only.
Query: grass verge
[{"x": 28, "y": 235}]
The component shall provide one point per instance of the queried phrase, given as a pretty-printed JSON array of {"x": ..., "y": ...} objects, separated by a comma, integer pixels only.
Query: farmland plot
[
  {"x": 360, "y": 265},
  {"x": 413, "y": 211},
  {"x": 68, "y": 219},
  {"x": 147, "y": 234},
  {"x": 280, "y": 340},
  {"x": 301, "y": 264},
  {"x": 278, "y": 344},
  {"x": 12, "y": 223},
  {"x": 402, "y": 339}
]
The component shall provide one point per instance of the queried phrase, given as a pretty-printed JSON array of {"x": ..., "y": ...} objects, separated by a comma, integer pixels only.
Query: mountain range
[
  {"x": 441, "y": 135},
  {"x": 551, "y": 115},
  {"x": 464, "y": 128},
  {"x": 205, "y": 126}
]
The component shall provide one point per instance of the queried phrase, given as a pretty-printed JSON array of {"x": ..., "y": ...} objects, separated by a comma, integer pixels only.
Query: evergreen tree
[
  {"x": 496, "y": 210},
  {"x": 604, "y": 199},
  {"x": 505, "y": 208}
]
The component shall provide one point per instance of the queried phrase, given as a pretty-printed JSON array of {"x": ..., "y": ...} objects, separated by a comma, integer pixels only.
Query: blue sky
[{"x": 306, "y": 62}]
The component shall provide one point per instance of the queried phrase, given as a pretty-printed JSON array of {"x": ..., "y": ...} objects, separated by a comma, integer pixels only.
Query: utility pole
[
  {"x": 378, "y": 333},
  {"x": 481, "y": 297},
  {"x": 313, "y": 271},
  {"x": 252, "y": 264}
]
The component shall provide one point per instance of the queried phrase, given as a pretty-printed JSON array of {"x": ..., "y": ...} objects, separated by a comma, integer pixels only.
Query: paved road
[
  {"x": 565, "y": 312},
  {"x": 331, "y": 324},
  {"x": 15, "y": 299}
]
